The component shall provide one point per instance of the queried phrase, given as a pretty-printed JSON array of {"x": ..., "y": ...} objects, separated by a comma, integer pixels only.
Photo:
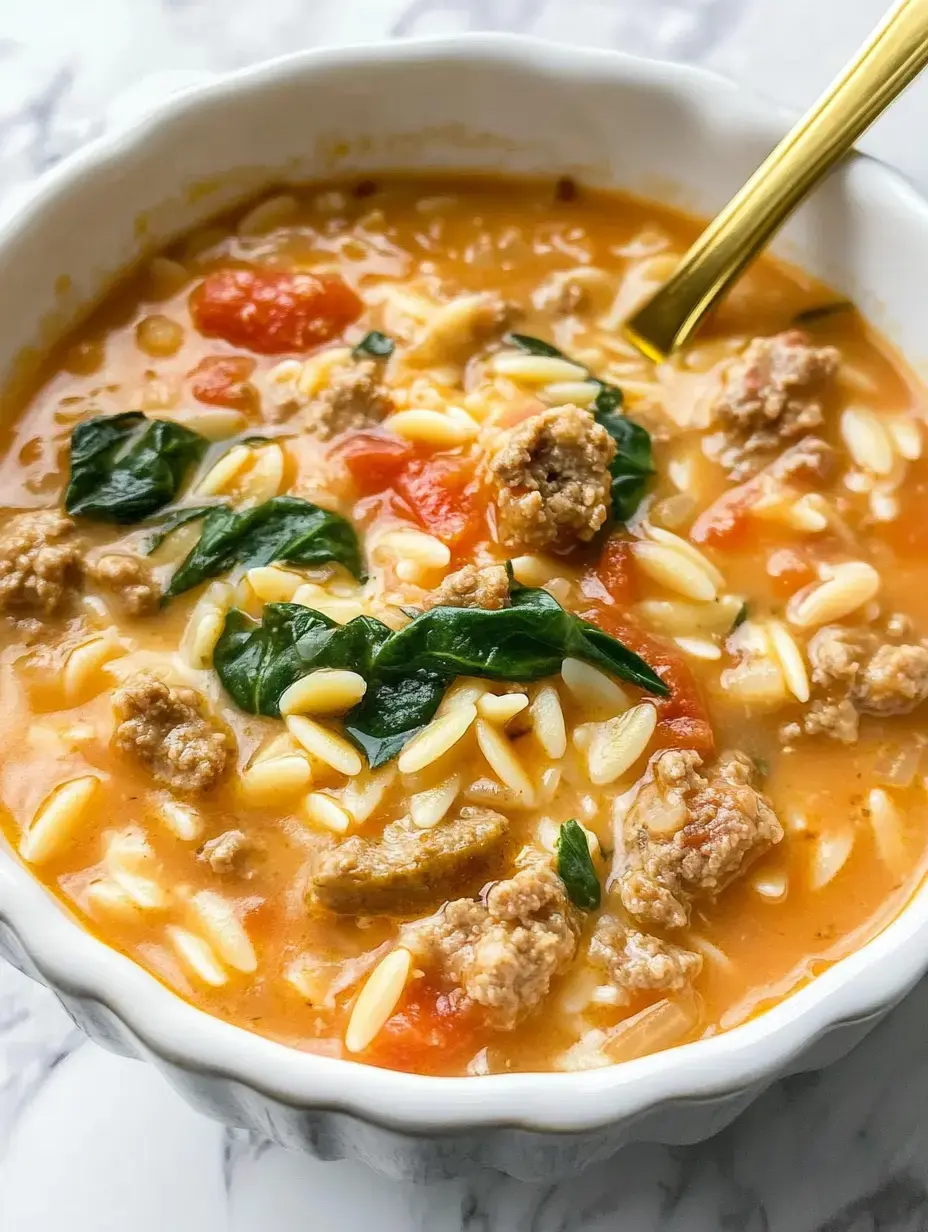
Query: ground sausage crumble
[
  {"x": 486, "y": 588},
  {"x": 130, "y": 580},
  {"x": 503, "y": 953},
  {"x": 168, "y": 731},
  {"x": 41, "y": 564},
  {"x": 687, "y": 835},
  {"x": 771, "y": 395},
  {"x": 639, "y": 962},
  {"x": 551, "y": 479},
  {"x": 353, "y": 399},
  {"x": 856, "y": 672}
]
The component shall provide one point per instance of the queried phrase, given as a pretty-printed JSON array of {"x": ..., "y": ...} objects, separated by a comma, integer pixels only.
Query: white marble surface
[{"x": 98, "y": 1144}]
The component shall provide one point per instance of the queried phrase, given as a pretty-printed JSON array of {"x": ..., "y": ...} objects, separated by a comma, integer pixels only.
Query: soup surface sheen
[{"x": 667, "y": 678}]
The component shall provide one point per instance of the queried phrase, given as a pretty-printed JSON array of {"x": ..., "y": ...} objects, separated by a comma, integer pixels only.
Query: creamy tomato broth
[{"x": 420, "y": 676}]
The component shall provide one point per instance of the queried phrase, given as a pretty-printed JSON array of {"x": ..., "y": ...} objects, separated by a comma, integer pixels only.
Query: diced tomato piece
[
  {"x": 683, "y": 720},
  {"x": 442, "y": 493},
  {"x": 685, "y": 732},
  {"x": 223, "y": 380},
  {"x": 726, "y": 522},
  {"x": 428, "y": 1034},
  {"x": 374, "y": 459},
  {"x": 615, "y": 570},
  {"x": 273, "y": 311}
]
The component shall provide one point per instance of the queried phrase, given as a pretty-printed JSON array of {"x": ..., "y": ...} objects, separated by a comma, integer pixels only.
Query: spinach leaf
[
  {"x": 536, "y": 346},
  {"x": 633, "y": 464},
  {"x": 174, "y": 521},
  {"x": 256, "y": 661},
  {"x": 374, "y": 346},
  {"x": 284, "y": 528},
  {"x": 408, "y": 671},
  {"x": 525, "y": 641},
  {"x": 126, "y": 467},
  {"x": 392, "y": 711},
  {"x": 575, "y": 867}
]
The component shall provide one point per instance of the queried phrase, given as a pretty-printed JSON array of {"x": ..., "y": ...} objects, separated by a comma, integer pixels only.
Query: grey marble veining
[{"x": 97, "y": 1143}]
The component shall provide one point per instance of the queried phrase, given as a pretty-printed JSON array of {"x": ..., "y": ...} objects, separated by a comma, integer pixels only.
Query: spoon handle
[{"x": 894, "y": 54}]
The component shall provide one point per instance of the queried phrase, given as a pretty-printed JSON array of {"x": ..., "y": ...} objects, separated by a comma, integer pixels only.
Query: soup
[{"x": 399, "y": 666}]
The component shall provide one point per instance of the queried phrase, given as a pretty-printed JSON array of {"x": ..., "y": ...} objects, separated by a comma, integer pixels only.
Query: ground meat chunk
[
  {"x": 41, "y": 564},
  {"x": 837, "y": 719},
  {"x": 639, "y": 962},
  {"x": 407, "y": 868},
  {"x": 859, "y": 673},
  {"x": 811, "y": 460},
  {"x": 167, "y": 729},
  {"x": 686, "y": 835},
  {"x": 551, "y": 475},
  {"x": 771, "y": 395},
  {"x": 503, "y": 953},
  {"x": 894, "y": 681},
  {"x": 487, "y": 588},
  {"x": 226, "y": 853},
  {"x": 354, "y": 398},
  {"x": 131, "y": 580},
  {"x": 836, "y": 655}
]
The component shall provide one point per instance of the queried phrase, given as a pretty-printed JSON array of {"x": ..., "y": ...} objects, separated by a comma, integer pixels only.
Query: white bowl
[{"x": 494, "y": 103}]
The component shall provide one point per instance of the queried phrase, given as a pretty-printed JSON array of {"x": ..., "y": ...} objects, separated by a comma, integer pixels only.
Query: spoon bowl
[{"x": 891, "y": 58}]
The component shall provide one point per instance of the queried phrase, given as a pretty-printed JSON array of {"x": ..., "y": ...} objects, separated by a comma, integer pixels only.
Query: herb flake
[{"x": 374, "y": 345}]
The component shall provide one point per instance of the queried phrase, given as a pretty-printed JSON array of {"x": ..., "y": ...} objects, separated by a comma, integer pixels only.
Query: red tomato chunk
[
  {"x": 428, "y": 1034},
  {"x": 223, "y": 380},
  {"x": 273, "y": 311},
  {"x": 440, "y": 492},
  {"x": 683, "y": 720}
]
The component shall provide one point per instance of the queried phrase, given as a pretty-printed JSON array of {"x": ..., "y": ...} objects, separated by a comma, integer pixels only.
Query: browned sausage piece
[{"x": 408, "y": 869}]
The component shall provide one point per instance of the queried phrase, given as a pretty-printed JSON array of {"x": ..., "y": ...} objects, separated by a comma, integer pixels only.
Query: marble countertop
[{"x": 95, "y": 1143}]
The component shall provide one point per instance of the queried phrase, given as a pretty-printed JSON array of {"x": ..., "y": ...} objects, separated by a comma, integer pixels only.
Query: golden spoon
[{"x": 894, "y": 54}]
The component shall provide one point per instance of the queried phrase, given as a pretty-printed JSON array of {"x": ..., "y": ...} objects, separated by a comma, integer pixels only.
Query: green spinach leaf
[
  {"x": 525, "y": 641},
  {"x": 124, "y": 468},
  {"x": 392, "y": 711},
  {"x": 536, "y": 346},
  {"x": 633, "y": 464},
  {"x": 174, "y": 521},
  {"x": 408, "y": 671},
  {"x": 575, "y": 867},
  {"x": 374, "y": 345},
  {"x": 284, "y": 528},
  {"x": 256, "y": 661}
]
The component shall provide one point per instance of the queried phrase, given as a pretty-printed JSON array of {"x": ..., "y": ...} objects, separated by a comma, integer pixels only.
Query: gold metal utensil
[{"x": 894, "y": 54}]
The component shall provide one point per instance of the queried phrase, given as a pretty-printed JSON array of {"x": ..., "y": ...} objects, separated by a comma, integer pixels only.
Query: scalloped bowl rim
[{"x": 861, "y": 986}]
